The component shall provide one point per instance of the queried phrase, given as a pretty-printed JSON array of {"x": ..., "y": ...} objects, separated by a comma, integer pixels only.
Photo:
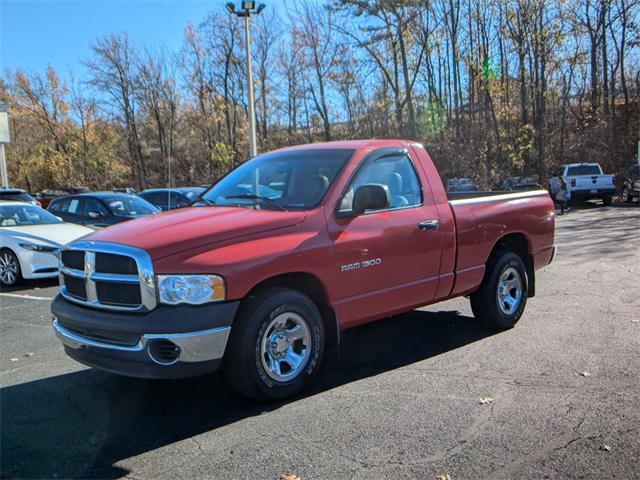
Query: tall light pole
[
  {"x": 4, "y": 138},
  {"x": 247, "y": 9}
]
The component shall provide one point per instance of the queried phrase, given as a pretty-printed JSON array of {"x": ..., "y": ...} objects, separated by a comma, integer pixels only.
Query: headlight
[
  {"x": 38, "y": 248},
  {"x": 192, "y": 289}
]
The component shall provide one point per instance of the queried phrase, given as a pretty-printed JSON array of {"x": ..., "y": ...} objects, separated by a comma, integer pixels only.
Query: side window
[
  {"x": 93, "y": 205},
  {"x": 396, "y": 172},
  {"x": 150, "y": 197},
  {"x": 62, "y": 206},
  {"x": 177, "y": 199},
  {"x": 74, "y": 206}
]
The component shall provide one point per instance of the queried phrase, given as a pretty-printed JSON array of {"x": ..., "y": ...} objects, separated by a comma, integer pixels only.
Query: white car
[{"x": 29, "y": 240}]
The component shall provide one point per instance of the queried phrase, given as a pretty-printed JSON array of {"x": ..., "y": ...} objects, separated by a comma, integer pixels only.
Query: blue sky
[{"x": 34, "y": 33}]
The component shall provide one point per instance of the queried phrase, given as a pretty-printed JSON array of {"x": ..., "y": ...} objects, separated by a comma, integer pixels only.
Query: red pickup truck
[{"x": 262, "y": 273}]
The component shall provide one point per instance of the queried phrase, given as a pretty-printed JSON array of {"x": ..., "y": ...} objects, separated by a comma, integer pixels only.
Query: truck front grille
[
  {"x": 109, "y": 263},
  {"x": 125, "y": 294},
  {"x": 75, "y": 286},
  {"x": 73, "y": 259},
  {"x": 108, "y": 276}
]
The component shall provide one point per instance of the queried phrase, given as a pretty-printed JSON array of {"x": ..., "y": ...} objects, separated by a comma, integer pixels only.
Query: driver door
[{"x": 387, "y": 260}]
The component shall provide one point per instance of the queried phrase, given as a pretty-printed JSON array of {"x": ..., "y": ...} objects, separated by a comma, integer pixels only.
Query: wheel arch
[
  {"x": 311, "y": 286},
  {"x": 518, "y": 243}
]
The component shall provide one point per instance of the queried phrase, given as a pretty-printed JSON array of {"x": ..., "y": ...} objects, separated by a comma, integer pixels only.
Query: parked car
[
  {"x": 127, "y": 190},
  {"x": 29, "y": 240},
  {"x": 631, "y": 184},
  {"x": 171, "y": 198},
  {"x": 100, "y": 209},
  {"x": 585, "y": 181},
  {"x": 461, "y": 185},
  {"x": 519, "y": 183},
  {"x": 17, "y": 195},
  {"x": 527, "y": 183},
  {"x": 45, "y": 196},
  {"x": 508, "y": 183},
  {"x": 363, "y": 230}
]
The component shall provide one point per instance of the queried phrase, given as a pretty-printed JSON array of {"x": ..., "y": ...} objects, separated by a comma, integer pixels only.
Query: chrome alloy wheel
[
  {"x": 285, "y": 346},
  {"x": 8, "y": 268},
  {"x": 509, "y": 293}
]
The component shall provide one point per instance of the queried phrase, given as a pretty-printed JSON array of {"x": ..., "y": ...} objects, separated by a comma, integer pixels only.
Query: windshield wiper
[
  {"x": 210, "y": 203},
  {"x": 252, "y": 196}
]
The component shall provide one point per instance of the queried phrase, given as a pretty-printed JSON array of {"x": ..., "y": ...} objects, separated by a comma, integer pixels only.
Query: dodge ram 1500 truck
[{"x": 262, "y": 273}]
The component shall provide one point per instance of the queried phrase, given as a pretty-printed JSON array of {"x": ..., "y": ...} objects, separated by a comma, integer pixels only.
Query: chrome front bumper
[{"x": 194, "y": 347}]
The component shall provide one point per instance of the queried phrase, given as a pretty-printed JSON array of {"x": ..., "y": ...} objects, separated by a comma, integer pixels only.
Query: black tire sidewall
[
  {"x": 315, "y": 327},
  {"x": 510, "y": 260},
  {"x": 267, "y": 306},
  {"x": 484, "y": 302}
]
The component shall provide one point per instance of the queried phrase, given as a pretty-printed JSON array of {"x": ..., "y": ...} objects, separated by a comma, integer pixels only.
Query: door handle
[{"x": 429, "y": 225}]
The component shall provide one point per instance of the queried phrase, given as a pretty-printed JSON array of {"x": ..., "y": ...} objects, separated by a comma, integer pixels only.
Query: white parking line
[{"x": 29, "y": 297}]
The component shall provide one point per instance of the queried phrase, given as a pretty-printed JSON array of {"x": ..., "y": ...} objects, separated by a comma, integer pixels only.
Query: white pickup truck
[{"x": 584, "y": 182}]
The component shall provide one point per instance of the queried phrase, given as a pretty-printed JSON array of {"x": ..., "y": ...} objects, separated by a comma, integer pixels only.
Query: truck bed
[{"x": 484, "y": 217}]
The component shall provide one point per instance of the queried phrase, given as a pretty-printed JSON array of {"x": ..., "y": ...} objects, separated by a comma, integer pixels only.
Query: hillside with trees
[{"x": 493, "y": 88}]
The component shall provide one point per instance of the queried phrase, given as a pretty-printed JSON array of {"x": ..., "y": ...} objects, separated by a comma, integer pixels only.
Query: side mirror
[
  {"x": 95, "y": 215},
  {"x": 372, "y": 196}
]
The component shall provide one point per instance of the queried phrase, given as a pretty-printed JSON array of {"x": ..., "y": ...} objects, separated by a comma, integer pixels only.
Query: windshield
[
  {"x": 296, "y": 179},
  {"x": 22, "y": 215},
  {"x": 584, "y": 170},
  {"x": 126, "y": 206}
]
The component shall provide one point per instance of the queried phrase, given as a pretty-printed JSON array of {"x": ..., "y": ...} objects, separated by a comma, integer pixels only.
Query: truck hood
[{"x": 172, "y": 232}]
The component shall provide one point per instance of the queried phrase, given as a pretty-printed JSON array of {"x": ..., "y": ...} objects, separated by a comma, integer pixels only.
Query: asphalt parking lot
[{"x": 403, "y": 401}]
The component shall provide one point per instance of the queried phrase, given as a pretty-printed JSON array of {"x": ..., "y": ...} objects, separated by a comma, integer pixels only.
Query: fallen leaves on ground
[
  {"x": 486, "y": 400},
  {"x": 290, "y": 476},
  {"x": 584, "y": 374},
  {"x": 605, "y": 447},
  {"x": 446, "y": 476},
  {"x": 28, "y": 354},
  {"x": 14, "y": 359}
]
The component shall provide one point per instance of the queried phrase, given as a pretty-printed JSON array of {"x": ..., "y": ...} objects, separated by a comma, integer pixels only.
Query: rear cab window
[{"x": 577, "y": 170}]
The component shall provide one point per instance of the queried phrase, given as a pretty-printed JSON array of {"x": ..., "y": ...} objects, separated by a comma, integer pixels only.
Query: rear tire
[
  {"x": 10, "y": 272},
  {"x": 276, "y": 345},
  {"x": 502, "y": 297}
]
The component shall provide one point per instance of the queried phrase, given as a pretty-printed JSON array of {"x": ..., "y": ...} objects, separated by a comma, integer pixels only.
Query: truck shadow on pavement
[{"x": 82, "y": 424}]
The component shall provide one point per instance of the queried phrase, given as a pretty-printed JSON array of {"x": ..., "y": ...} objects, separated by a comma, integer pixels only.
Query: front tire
[
  {"x": 10, "y": 272},
  {"x": 502, "y": 297},
  {"x": 276, "y": 345}
]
